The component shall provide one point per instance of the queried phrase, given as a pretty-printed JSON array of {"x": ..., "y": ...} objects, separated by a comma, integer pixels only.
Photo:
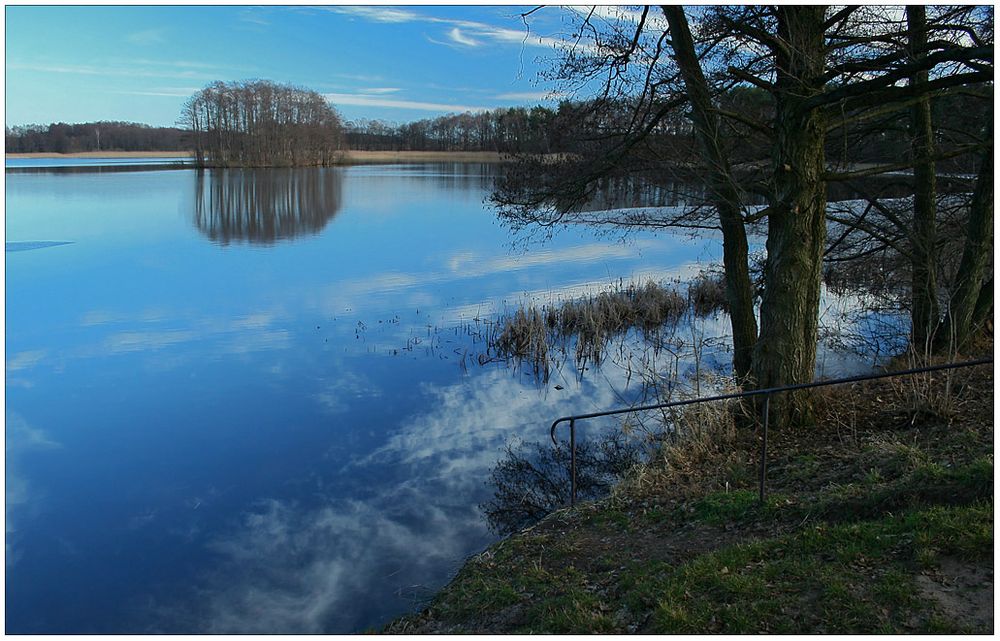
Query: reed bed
[
  {"x": 531, "y": 332},
  {"x": 707, "y": 293}
]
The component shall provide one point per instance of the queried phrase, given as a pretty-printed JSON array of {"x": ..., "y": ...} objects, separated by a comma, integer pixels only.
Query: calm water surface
[{"x": 237, "y": 401}]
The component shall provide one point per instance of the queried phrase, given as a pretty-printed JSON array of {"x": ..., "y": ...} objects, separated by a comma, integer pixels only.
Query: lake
[{"x": 249, "y": 401}]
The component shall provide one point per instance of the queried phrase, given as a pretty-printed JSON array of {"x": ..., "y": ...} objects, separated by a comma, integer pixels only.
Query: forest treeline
[
  {"x": 296, "y": 126},
  {"x": 507, "y": 130},
  {"x": 580, "y": 126},
  {"x": 63, "y": 138}
]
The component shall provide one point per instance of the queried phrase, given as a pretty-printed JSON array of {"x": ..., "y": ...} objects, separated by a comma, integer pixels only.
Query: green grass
[
  {"x": 718, "y": 508},
  {"x": 845, "y": 543},
  {"x": 853, "y": 574},
  {"x": 849, "y": 578}
]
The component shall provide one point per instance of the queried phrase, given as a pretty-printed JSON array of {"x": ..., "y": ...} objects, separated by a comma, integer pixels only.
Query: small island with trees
[{"x": 262, "y": 124}]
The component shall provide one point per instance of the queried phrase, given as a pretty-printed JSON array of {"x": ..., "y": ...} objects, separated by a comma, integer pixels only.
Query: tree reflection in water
[
  {"x": 532, "y": 480},
  {"x": 262, "y": 206}
]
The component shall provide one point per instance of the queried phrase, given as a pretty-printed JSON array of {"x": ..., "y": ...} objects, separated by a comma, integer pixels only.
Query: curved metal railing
[{"x": 766, "y": 393}]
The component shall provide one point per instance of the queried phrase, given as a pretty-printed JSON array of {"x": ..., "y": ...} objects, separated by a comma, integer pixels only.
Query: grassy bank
[{"x": 879, "y": 519}]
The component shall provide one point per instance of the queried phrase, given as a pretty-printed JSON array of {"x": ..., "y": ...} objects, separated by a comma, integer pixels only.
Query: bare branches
[
  {"x": 883, "y": 88},
  {"x": 262, "y": 124},
  {"x": 905, "y": 164}
]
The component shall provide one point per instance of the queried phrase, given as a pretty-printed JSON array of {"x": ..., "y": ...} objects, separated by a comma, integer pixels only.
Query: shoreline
[
  {"x": 102, "y": 154},
  {"x": 351, "y": 157},
  {"x": 683, "y": 546}
]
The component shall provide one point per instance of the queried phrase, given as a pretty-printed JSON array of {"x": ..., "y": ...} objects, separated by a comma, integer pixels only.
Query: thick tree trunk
[
  {"x": 982, "y": 315},
  {"x": 923, "y": 239},
  {"x": 786, "y": 350},
  {"x": 962, "y": 319},
  {"x": 726, "y": 194}
]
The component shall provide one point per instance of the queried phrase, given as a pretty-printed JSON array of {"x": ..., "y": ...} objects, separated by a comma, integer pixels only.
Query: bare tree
[
  {"x": 259, "y": 123},
  {"x": 820, "y": 69}
]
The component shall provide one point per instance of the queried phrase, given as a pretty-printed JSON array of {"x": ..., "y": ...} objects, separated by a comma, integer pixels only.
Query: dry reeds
[
  {"x": 593, "y": 321},
  {"x": 525, "y": 338},
  {"x": 707, "y": 293}
]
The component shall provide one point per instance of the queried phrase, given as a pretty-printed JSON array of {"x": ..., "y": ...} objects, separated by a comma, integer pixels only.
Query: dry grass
[
  {"x": 525, "y": 338},
  {"x": 707, "y": 293},
  {"x": 530, "y": 334},
  {"x": 354, "y": 157},
  {"x": 707, "y": 453}
]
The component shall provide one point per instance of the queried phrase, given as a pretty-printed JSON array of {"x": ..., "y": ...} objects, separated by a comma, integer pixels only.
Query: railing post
[
  {"x": 572, "y": 461},
  {"x": 766, "y": 393},
  {"x": 763, "y": 449}
]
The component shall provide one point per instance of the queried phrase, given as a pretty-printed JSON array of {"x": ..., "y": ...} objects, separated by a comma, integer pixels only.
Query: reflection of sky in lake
[{"x": 228, "y": 435}]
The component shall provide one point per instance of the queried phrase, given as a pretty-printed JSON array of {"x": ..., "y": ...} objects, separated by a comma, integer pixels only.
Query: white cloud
[
  {"x": 247, "y": 333},
  {"x": 171, "y": 63},
  {"x": 359, "y": 76},
  {"x": 378, "y": 14},
  {"x": 335, "y": 395},
  {"x": 19, "y": 494},
  {"x": 166, "y": 93},
  {"x": 339, "y": 564},
  {"x": 124, "y": 342},
  {"x": 379, "y": 91},
  {"x": 456, "y": 35},
  {"x": 25, "y": 360},
  {"x": 105, "y": 70},
  {"x": 530, "y": 95},
  {"x": 463, "y": 32},
  {"x": 367, "y": 100},
  {"x": 306, "y": 571},
  {"x": 253, "y": 17},
  {"x": 468, "y": 265}
]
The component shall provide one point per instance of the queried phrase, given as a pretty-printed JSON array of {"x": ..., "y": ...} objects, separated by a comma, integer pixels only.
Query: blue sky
[{"x": 135, "y": 63}]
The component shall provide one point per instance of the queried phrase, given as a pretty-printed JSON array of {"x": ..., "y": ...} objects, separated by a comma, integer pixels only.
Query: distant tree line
[
  {"x": 258, "y": 123},
  {"x": 94, "y": 136},
  {"x": 509, "y": 130},
  {"x": 589, "y": 127}
]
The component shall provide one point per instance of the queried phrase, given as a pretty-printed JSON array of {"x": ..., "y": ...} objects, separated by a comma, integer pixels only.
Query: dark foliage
[{"x": 94, "y": 136}]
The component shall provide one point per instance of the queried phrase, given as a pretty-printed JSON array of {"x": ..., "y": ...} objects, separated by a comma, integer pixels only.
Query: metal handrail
[{"x": 767, "y": 403}]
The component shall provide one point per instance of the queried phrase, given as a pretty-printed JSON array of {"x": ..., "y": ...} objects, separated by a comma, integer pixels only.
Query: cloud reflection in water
[{"x": 344, "y": 564}]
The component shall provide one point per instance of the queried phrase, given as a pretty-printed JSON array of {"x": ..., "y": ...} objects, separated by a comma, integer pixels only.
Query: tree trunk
[
  {"x": 785, "y": 353},
  {"x": 726, "y": 194},
  {"x": 982, "y": 315},
  {"x": 962, "y": 318},
  {"x": 923, "y": 239}
]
